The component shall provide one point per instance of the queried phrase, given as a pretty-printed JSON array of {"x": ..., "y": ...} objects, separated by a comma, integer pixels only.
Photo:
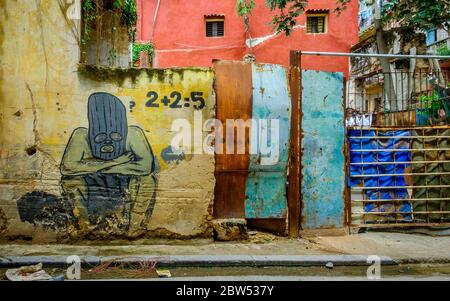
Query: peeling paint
[
  {"x": 169, "y": 156},
  {"x": 3, "y": 222},
  {"x": 322, "y": 143},
  {"x": 266, "y": 181}
]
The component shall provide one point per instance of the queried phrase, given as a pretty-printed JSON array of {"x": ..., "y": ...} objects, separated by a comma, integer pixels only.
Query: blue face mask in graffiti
[{"x": 107, "y": 126}]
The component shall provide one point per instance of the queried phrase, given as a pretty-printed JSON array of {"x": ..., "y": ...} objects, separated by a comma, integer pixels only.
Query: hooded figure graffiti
[
  {"x": 109, "y": 170},
  {"x": 108, "y": 127}
]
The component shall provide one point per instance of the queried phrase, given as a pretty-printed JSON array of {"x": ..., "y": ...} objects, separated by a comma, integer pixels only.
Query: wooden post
[{"x": 294, "y": 188}]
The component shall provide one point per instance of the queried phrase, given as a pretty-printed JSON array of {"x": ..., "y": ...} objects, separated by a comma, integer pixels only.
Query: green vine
[
  {"x": 124, "y": 11},
  {"x": 444, "y": 50},
  {"x": 431, "y": 103},
  {"x": 244, "y": 10},
  {"x": 138, "y": 48},
  {"x": 245, "y": 7},
  {"x": 129, "y": 16},
  {"x": 94, "y": 9}
]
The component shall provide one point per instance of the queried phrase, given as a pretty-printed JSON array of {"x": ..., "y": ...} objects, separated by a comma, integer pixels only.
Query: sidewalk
[{"x": 261, "y": 249}]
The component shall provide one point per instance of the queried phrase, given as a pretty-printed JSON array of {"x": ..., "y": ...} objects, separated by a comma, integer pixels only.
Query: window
[
  {"x": 316, "y": 24},
  {"x": 215, "y": 27},
  {"x": 431, "y": 36}
]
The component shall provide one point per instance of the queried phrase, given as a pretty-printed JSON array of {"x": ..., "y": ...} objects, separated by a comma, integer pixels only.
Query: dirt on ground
[
  {"x": 133, "y": 271},
  {"x": 406, "y": 248}
]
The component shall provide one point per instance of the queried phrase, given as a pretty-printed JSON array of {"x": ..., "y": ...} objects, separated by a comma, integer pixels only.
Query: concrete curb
[
  {"x": 263, "y": 278},
  {"x": 199, "y": 260}
]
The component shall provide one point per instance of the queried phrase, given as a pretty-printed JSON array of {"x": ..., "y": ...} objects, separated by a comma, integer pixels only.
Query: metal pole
[{"x": 375, "y": 55}]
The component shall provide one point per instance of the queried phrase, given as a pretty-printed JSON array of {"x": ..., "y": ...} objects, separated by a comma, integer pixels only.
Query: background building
[
  {"x": 402, "y": 88},
  {"x": 183, "y": 36}
]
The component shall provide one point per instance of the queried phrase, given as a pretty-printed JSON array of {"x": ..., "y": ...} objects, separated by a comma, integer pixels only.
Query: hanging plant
[
  {"x": 129, "y": 17},
  {"x": 93, "y": 10},
  {"x": 244, "y": 10},
  {"x": 117, "y": 14}
]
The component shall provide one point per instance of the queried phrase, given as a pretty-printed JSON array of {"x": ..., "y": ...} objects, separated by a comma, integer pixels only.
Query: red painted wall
[{"x": 179, "y": 34}]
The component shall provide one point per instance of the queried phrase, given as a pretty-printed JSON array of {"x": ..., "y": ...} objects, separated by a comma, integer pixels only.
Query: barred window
[
  {"x": 215, "y": 28},
  {"x": 316, "y": 24}
]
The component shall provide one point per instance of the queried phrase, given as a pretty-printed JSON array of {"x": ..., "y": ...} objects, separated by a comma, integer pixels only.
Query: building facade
[
  {"x": 86, "y": 140},
  {"x": 183, "y": 36},
  {"x": 397, "y": 112},
  {"x": 409, "y": 79},
  {"x": 49, "y": 101}
]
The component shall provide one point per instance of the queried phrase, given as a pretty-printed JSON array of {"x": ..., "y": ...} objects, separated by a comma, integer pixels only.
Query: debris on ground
[
  {"x": 329, "y": 265},
  {"x": 28, "y": 273},
  {"x": 141, "y": 269},
  {"x": 58, "y": 278},
  {"x": 230, "y": 229},
  {"x": 163, "y": 273},
  {"x": 263, "y": 237}
]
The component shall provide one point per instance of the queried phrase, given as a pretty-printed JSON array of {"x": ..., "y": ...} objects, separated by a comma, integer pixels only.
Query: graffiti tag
[{"x": 175, "y": 100}]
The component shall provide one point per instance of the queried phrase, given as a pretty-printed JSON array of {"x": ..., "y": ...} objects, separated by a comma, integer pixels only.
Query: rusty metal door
[
  {"x": 233, "y": 86},
  {"x": 253, "y": 185}
]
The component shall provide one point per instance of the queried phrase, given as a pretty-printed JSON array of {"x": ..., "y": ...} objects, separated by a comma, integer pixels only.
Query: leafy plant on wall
[
  {"x": 122, "y": 12},
  {"x": 244, "y": 10},
  {"x": 431, "y": 103},
  {"x": 138, "y": 48},
  {"x": 433, "y": 109},
  {"x": 444, "y": 50}
]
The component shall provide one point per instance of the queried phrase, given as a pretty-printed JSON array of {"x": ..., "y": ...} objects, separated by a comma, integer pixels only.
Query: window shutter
[
  {"x": 320, "y": 24},
  {"x": 220, "y": 29},
  {"x": 309, "y": 26},
  {"x": 214, "y": 28},
  {"x": 315, "y": 24},
  {"x": 209, "y": 29}
]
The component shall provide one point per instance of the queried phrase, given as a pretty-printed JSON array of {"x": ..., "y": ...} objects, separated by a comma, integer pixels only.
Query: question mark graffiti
[{"x": 132, "y": 105}]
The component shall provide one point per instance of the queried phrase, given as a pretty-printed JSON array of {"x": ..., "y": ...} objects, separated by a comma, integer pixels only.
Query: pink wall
[{"x": 179, "y": 34}]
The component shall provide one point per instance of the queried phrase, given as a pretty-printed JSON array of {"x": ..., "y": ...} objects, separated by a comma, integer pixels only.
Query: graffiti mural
[
  {"x": 49, "y": 211},
  {"x": 109, "y": 172}
]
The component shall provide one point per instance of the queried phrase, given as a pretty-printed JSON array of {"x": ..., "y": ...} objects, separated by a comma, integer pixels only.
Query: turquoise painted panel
[
  {"x": 323, "y": 156},
  {"x": 266, "y": 182}
]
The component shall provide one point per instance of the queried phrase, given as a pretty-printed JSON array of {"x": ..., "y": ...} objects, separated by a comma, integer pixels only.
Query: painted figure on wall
[{"x": 109, "y": 169}]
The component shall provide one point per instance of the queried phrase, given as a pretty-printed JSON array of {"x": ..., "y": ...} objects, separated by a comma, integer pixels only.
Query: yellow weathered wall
[{"x": 43, "y": 98}]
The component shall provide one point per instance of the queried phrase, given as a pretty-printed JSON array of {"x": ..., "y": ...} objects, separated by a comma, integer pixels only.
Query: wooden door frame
[{"x": 295, "y": 155}]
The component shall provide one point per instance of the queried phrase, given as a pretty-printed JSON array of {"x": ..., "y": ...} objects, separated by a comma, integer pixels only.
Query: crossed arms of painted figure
[{"x": 78, "y": 159}]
